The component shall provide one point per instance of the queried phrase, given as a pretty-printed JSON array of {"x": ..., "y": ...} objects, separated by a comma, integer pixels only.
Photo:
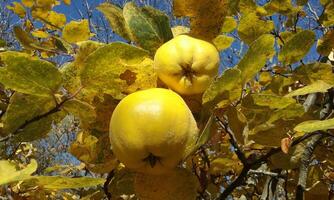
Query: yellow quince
[
  {"x": 152, "y": 130},
  {"x": 187, "y": 65}
]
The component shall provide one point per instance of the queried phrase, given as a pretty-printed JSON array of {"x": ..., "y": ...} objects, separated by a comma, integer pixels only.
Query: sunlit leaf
[
  {"x": 229, "y": 25},
  {"x": 84, "y": 148},
  {"x": 297, "y": 47},
  {"x": 76, "y": 31},
  {"x": 256, "y": 57},
  {"x": 313, "y": 72},
  {"x": 318, "y": 86},
  {"x": 114, "y": 15},
  {"x": 40, "y": 34},
  {"x": 104, "y": 67},
  {"x": 18, "y": 9},
  {"x": 10, "y": 174},
  {"x": 226, "y": 88},
  {"x": 272, "y": 101},
  {"x": 28, "y": 75},
  {"x": 54, "y": 20},
  {"x": 149, "y": 27},
  {"x": 326, "y": 44},
  {"x": 279, "y": 6},
  {"x": 314, "y": 125},
  {"x": 252, "y": 27},
  {"x": 28, "y": 3},
  {"x": 58, "y": 182},
  {"x": 203, "y": 24},
  {"x": 223, "y": 42}
]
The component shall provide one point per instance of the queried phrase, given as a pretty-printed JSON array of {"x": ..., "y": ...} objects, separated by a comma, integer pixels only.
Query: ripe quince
[
  {"x": 152, "y": 130},
  {"x": 187, "y": 65}
]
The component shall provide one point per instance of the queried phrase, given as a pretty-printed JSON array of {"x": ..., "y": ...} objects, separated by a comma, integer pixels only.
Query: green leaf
[
  {"x": 226, "y": 88},
  {"x": 313, "y": 72},
  {"x": 117, "y": 69},
  {"x": 205, "y": 134},
  {"x": 252, "y": 27},
  {"x": 81, "y": 109},
  {"x": 76, "y": 31},
  {"x": 326, "y": 43},
  {"x": 3, "y": 43},
  {"x": 318, "y": 86},
  {"x": 314, "y": 125},
  {"x": 29, "y": 75},
  {"x": 10, "y": 174},
  {"x": 229, "y": 25},
  {"x": 149, "y": 27},
  {"x": 256, "y": 57},
  {"x": 223, "y": 42},
  {"x": 297, "y": 47},
  {"x": 59, "y": 183},
  {"x": 114, "y": 15},
  {"x": 24, "y": 107}
]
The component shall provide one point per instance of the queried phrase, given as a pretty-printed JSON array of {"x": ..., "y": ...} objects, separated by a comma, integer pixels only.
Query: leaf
[
  {"x": 114, "y": 15},
  {"x": 103, "y": 68},
  {"x": 76, "y": 31},
  {"x": 18, "y": 9},
  {"x": 326, "y": 43},
  {"x": 29, "y": 75},
  {"x": 297, "y": 47},
  {"x": 223, "y": 166},
  {"x": 272, "y": 101},
  {"x": 59, "y": 183},
  {"x": 252, "y": 27},
  {"x": 178, "y": 30},
  {"x": 27, "y": 41},
  {"x": 255, "y": 59},
  {"x": 226, "y": 88},
  {"x": 203, "y": 24},
  {"x": 229, "y": 25},
  {"x": 318, "y": 86},
  {"x": 23, "y": 107},
  {"x": 149, "y": 27},
  {"x": 10, "y": 174},
  {"x": 237, "y": 122},
  {"x": 314, "y": 125},
  {"x": 223, "y": 42},
  {"x": 327, "y": 17},
  {"x": 81, "y": 109},
  {"x": 205, "y": 134},
  {"x": 283, "y": 7},
  {"x": 285, "y": 145},
  {"x": 40, "y": 34},
  {"x": 313, "y": 72},
  {"x": 94, "y": 152}
]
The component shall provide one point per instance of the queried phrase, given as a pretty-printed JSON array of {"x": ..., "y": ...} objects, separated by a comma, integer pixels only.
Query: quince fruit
[
  {"x": 152, "y": 130},
  {"x": 187, "y": 65}
]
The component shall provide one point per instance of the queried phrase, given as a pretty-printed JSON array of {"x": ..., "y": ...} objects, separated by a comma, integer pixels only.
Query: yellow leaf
[
  {"x": 223, "y": 42},
  {"x": 313, "y": 125},
  {"x": 318, "y": 86},
  {"x": 206, "y": 16},
  {"x": 9, "y": 173},
  {"x": 67, "y": 2},
  {"x": 76, "y": 31},
  {"x": 178, "y": 185},
  {"x": 55, "y": 20},
  {"x": 18, "y": 9},
  {"x": 28, "y": 3},
  {"x": 40, "y": 34}
]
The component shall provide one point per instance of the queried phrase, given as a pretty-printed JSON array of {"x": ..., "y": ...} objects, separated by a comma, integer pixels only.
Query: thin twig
[{"x": 106, "y": 184}]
